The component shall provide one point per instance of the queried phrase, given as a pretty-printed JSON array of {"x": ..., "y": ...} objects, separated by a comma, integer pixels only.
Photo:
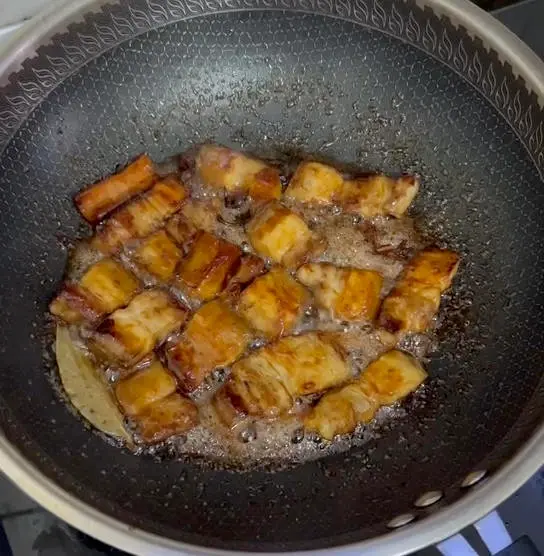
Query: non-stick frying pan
[{"x": 435, "y": 87}]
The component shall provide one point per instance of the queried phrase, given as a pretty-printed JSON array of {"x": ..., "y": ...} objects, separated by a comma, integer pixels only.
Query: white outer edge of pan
[{"x": 430, "y": 530}]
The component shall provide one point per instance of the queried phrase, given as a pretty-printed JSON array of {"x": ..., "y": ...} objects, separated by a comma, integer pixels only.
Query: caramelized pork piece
[
  {"x": 348, "y": 293},
  {"x": 202, "y": 214},
  {"x": 374, "y": 195},
  {"x": 130, "y": 334},
  {"x": 393, "y": 376},
  {"x": 415, "y": 299},
  {"x": 166, "y": 417},
  {"x": 214, "y": 337},
  {"x": 196, "y": 215},
  {"x": 367, "y": 196},
  {"x": 110, "y": 283},
  {"x": 341, "y": 410},
  {"x": 142, "y": 216},
  {"x": 267, "y": 382},
  {"x": 314, "y": 182},
  {"x": 209, "y": 265},
  {"x": 74, "y": 305},
  {"x": 102, "y": 197},
  {"x": 283, "y": 236},
  {"x": 273, "y": 303},
  {"x": 432, "y": 267},
  {"x": 385, "y": 381},
  {"x": 105, "y": 287},
  {"x": 144, "y": 388},
  {"x": 379, "y": 195},
  {"x": 149, "y": 397},
  {"x": 250, "y": 267},
  {"x": 409, "y": 309},
  {"x": 181, "y": 230},
  {"x": 232, "y": 171},
  {"x": 158, "y": 255}
]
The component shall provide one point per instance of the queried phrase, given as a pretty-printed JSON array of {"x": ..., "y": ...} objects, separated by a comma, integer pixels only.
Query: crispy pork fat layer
[
  {"x": 105, "y": 287},
  {"x": 214, "y": 337},
  {"x": 141, "y": 216},
  {"x": 282, "y": 235},
  {"x": 273, "y": 303},
  {"x": 210, "y": 263}
]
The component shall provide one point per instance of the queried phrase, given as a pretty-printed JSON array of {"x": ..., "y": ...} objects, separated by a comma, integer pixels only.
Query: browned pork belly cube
[
  {"x": 101, "y": 198},
  {"x": 388, "y": 379},
  {"x": 415, "y": 299},
  {"x": 166, "y": 417},
  {"x": 158, "y": 255},
  {"x": 348, "y": 293},
  {"x": 379, "y": 195},
  {"x": 210, "y": 263},
  {"x": 141, "y": 216},
  {"x": 104, "y": 287},
  {"x": 214, "y": 337},
  {"x": 232, "y": 171},
  {"x": 129, "y": 334},
  {"x": 267, "y": 382},
  {"x": 144, "y": 387},
  {"x": 273, "y": 303},
  {"x": 282, "y": 235},
  {"x": 314, "y": 182},
  {"x": 341, "y": 410}
]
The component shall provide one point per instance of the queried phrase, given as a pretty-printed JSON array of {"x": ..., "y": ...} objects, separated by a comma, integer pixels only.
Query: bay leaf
[{"x": 87, "y": 389}]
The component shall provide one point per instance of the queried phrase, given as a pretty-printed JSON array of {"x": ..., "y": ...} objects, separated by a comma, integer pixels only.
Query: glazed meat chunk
[
  {"x": 209, "y": 265},
  {"x": 144, "y": 387},
  {"x": 101, "y": 198},
  {"x": 267, "y": 382},
  {"x": 158, "y": 255},
  {"x": 379, "y": 195},
  {"x": 167, "y": 417},
  {"x": 273, "y": 303},
  {"x": 141, "y": 216},
  {"x": 214, "y": 337},
  {"x": 282, "y": 235},
  {"x": 150, "y": 399},
  {"x": 105, "y": 287},
  {"x": 388, "y": 379},
  {"x": 129, "y": 334},
  {"x": 415, "y": 299},
  {"x": 393, "y": 376},
  {"x": 314, "y": 182},
  {"x": 348, "y": 293},
  {"x": 235, "y": 172}
]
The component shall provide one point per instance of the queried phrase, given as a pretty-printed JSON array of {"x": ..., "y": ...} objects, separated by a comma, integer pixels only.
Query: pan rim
[
  {"x": 431, "y": 530},
  {"x": 422, "y": 533}
]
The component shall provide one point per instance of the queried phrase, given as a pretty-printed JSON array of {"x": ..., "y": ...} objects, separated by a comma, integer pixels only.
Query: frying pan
[{"x": 435, "y": 87}]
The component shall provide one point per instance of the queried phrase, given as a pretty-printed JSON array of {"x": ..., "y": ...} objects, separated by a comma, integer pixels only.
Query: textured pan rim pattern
[
  {"x": 39, "y": 69},
  {"x": 519, "y": 101}
]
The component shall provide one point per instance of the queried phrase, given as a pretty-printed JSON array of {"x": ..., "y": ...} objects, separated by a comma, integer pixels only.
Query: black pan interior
[{"x": 282, "y": 83}]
